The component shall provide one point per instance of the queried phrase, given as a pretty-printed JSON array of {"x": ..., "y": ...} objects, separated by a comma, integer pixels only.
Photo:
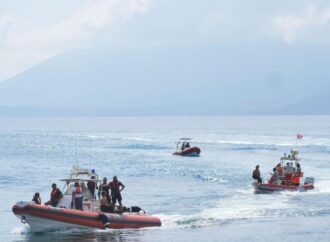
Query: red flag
[{"x": 299, "y": 136}]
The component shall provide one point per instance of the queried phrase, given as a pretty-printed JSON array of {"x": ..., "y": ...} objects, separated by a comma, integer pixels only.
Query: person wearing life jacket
[
  {"x": 297, "y": 175},
  {"x": 288, "y": 174},
  {"x": 296, "y": 179},
  {"x": 116, "y": 187},
  {"x": 36, "y": 198},
  {"x": 55, "y": 196},
  {"x": 77, "y": 196},
  {"x": 279, "y": 169},
  {"x": 256, "y": 174}
]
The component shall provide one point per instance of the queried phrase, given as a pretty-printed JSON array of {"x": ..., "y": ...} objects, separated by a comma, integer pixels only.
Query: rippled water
[{"x": 205, "y": 198}]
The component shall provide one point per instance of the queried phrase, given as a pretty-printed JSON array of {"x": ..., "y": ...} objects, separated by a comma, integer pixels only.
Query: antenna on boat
[
  {"x": 90, "y": 153},
  {"x": 76, "y": 151}
]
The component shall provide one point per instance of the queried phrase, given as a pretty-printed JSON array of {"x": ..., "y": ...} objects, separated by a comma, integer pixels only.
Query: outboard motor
[{"x": 309, "y": 180}]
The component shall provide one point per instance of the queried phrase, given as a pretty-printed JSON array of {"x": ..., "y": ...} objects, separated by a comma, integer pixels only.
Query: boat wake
[
  {"x": 246, "y": 206},
  {"x": 20, "y": 230},
  {"x": 139, "y": 146},
  {"x": 315, "y": 145}
]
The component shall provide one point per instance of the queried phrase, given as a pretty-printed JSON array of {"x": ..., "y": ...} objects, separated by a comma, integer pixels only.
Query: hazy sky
[{"x": 36, "y": 30}]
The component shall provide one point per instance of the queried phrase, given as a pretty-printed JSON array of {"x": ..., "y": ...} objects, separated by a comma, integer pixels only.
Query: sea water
[{"x": 206, "y": 198}]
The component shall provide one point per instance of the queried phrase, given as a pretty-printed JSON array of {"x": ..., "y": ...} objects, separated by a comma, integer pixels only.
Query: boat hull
[
  {"x": 46, "y": 218},
  {"x": 269, "y": 188},
  {"x": 192, "y": 151}
]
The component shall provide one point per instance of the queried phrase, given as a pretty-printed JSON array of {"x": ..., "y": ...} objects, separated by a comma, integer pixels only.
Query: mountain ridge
[{"x": 212, "y": 80}]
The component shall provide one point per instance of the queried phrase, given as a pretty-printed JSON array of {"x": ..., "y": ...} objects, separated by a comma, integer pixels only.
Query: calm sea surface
[{"x": 208, "y": 198}]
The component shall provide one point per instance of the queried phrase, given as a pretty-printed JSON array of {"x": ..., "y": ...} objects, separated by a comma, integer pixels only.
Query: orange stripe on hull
[
  {"x": 87, "y": 219},
  {"x": 188, "y": 151}
]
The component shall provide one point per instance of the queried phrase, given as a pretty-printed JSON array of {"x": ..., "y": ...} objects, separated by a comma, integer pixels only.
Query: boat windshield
[
  {"x": 183, "y": 143},
  {"x": 85, "y": 191}
]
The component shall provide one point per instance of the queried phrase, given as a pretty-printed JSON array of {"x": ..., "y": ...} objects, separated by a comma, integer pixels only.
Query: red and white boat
[
  {"x": 183, "y": 148},
  {"x": 268, "y": 188},
  {"x": 288, "y": 179},
  {"x": 46, "y": 218},
  {"x": 49, "y": 218}
]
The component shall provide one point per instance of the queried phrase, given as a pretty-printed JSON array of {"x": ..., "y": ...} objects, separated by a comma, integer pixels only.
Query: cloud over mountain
[
  {"x": 24, "y": 43},
  {"x": 309, "y": 26}
]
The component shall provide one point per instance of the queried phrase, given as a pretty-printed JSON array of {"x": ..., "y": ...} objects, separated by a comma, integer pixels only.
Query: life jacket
[
  {"x": 78, "y": 192},
  {"x": 296, "y": 180},
  {"x": 280, "y": 170},
  {"x": 53, "y": 192},
  {"x": 288, "y": 179}
]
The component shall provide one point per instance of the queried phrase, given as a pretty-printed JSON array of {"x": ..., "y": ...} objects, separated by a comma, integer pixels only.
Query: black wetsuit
[
  {"x": 105, "y": 188},
  {"x": 91, "y": 187},
  {"x": 256, "y": 176},
  {"x": 37, "y": 200},
  {"x": 115, "y": 191}
]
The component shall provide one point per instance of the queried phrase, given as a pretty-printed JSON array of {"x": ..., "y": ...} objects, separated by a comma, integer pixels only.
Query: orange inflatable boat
[
  {"x": 63, "y": 216},
  {"x": 42, "y": 218}
]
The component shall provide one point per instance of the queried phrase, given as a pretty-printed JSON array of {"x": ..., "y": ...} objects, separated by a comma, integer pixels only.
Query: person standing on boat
[
  {"x": 297, "y": 175},
  {"x": 279, "y": 169},
  {"x": 275, "y": 179},
  {"x": 298, "y": 169},
  {"x": 77, "y": 196},
  {"x": 183, "y": 145},
  {"x": 92, "y": 186},
  {"x": 55, "y": 196},
  {"x": 288, "y": 174},
  {"x": 256, "y": 174},
  {"x": 116, "y": 187},
  {"x": 104, "y": 187}
]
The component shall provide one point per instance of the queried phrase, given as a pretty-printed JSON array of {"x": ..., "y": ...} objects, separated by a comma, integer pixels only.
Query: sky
[{"x": 36, "y": 30}]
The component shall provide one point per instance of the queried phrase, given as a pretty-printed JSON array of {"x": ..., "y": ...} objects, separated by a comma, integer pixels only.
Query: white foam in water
[
  {"x": 323, "y": 186},
  {"x": 239, "y": 207},
  {"x": 20, "y": 230},
  {"x": 72, "y": 230},
  {"x": 223, "y": 171},
  {"x": 169, "y": 221},
  {"x": 271, "y": 141}
]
